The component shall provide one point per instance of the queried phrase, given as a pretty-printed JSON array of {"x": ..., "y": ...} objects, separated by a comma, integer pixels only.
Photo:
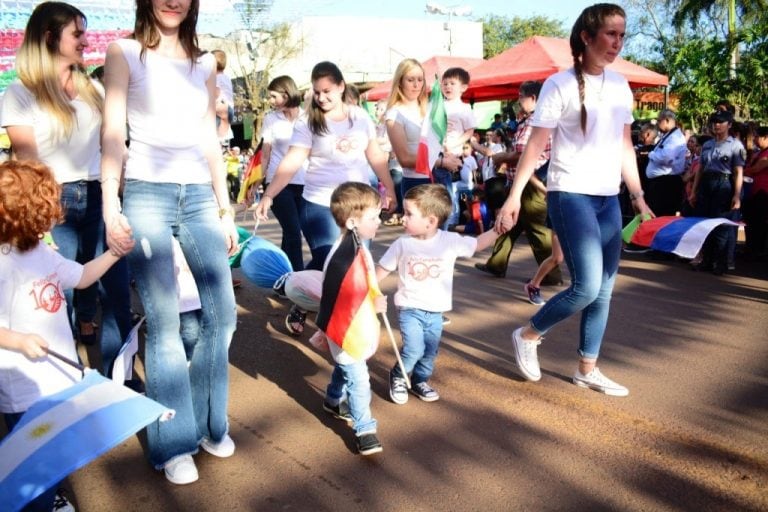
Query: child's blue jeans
[{"x": 353, "y": 380}]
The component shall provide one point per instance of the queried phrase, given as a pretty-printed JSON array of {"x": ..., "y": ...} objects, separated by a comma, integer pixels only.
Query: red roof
[
  {"x": 434, "y": 66},
  {"x": 537, "y": 58}
]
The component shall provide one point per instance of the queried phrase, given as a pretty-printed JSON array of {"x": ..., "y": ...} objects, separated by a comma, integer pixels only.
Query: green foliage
[
  {"x": 501, "y": 32},
  {"x": 690, "y": 42}
]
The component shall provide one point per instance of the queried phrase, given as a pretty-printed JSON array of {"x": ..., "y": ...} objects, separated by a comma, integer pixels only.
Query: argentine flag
[{"x": 65, "y": 431}]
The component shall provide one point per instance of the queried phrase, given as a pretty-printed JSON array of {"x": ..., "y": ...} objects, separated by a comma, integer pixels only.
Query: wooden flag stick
[
  {"x": 65, "y": 359},
  {"x": 397, "y": 352}
]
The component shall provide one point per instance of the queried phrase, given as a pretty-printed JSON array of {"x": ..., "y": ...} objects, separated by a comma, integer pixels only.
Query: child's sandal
[{"x": 295, "y": 321}]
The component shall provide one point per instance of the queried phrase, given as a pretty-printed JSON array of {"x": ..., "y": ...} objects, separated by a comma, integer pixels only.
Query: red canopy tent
[
  {"x": 432, "y": 67},
  {"x": 537, "y": 58}
]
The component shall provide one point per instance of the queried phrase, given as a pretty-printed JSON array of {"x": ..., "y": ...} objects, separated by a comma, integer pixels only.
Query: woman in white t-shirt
[
  {"x": 164, "y": 87},
  {"x": 276, "y": 133},
  {"x": 52, "y": 113},
  {"x": 406, "y": 108},
  {"x": 339, "y": 140},
  {"x": 588, "y": 112}
]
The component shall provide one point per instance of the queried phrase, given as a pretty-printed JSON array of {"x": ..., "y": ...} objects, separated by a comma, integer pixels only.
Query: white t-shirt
[
  {"x": 410, "y": 118},
  {"x": 339, "y": 355},
  {"x": 167, "y": 102},
  {"x": 425, "y": 269},
  {"x": 32, "y": 301},
  {"x": 468, "y": 172},
  {"x": 336, "y": 156},
  {"x": 585, "y": 163},
  {"x": 224, "y": 83},
  {"x": 277, "y": 131},
  {"x": 460, "y": 119},
  {"x": 71, "y": 159}
]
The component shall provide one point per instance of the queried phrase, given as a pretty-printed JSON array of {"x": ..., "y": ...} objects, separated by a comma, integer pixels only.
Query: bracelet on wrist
[
  {"x": 226, "y": 211},
  {"x": 636, "y": 196}
]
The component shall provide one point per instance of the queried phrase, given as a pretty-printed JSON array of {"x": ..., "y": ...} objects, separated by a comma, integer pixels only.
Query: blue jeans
[
  {"x": 589, "y": 229},
  {"x": 421, "y": 331},
  {"x": 81, "y": 237},
  {"x": 443, "y": 177},
  {"x": 286, "y": 206},
  {"x": 459, "y": 189},
  {"x": 353, "y": 380},
  {"x": 320, "y": 230},
  {"x": 44, "y": 502},
  {"x": 198, "y": 393}
]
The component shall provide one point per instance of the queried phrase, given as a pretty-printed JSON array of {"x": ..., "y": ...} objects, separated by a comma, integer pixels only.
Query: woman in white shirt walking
[
  {"x": 588, "y": 111},
  {"x": 164, "y": 87}
]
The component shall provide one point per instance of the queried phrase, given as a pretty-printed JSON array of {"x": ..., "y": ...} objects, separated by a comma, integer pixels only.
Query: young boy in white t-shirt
[
  {"x": 424, "y": 259},
  {"x": 355, "y": 208},
  {"x": 461, "y": 124}
]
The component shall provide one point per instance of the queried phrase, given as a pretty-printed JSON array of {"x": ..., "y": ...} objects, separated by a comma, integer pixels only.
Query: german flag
[
  {"x": 347, "y": 315},
  {"x": 253, "y": 176}
]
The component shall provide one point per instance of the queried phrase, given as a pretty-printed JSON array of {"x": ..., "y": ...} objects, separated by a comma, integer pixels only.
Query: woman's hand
[
  {"x": 262, "y": 208},
  {"x": 230, "y": 233},
  {"x": 119, "y": 234},
  {"x": 389, "y": 202},
  {"x": 451, "y": 162},
  {"x": 642, "y": 208},
  {"x": 507, "y": 216}
]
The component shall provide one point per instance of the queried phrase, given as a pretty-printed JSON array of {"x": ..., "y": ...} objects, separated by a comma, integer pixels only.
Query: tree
[
  {"x": 697, "y": 55},
  {"x": 501, "y": 32},
  {"x": 748, "y": 11}
]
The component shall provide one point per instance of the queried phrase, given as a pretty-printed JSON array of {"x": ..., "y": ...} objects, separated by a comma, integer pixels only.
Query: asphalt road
[{"x": 692, "y": 348}]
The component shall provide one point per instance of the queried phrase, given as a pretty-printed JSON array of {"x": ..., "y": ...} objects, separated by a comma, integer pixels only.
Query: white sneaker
[
  {"x": 181, "y": 470},
  {"x": 599, "y": 382},
  {"x": 224, "y": 448},
  {"x": 525, "y": 356}
]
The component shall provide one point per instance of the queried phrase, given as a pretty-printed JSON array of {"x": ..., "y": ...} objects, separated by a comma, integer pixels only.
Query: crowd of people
[{"x": 565, "y": 172}]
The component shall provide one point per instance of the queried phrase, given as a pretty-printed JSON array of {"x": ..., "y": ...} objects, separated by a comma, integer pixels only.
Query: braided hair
[{"x": 590, "y": 21}]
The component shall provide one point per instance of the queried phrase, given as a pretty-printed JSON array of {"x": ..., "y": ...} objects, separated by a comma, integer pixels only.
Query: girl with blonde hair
[{"x": 53, "y": 113}]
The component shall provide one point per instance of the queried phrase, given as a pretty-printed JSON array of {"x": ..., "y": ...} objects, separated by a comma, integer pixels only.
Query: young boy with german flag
[
  {"x": 424, "y": 259},
  {"x": 347, "y": 317}
]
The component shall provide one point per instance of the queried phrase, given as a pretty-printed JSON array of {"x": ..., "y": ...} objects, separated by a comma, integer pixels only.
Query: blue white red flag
[
  {"x": 683, "y": 236},
  {"x": 65, "y": 431}
]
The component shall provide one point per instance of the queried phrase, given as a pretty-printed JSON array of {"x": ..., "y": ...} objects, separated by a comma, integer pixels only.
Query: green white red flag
[{"x": 433, "y": 131}]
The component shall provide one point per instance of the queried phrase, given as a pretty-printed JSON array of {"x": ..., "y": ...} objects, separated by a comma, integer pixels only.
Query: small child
[
  {"x": 355, "y": 208},
  {"x": 461, "y": 125},
  {"x": 424, "y": 259},
  {"x": 33, "y": 311}
]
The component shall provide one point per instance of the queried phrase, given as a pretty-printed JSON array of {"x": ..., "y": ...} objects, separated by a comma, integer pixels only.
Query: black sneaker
[
  {"x": 485, "y": 268},
  {"x": 425, "y": 392},
  {"x": 398, "y": 390},
  {"x": 368, "y": 444},
  {"x": 340, "y": 412}
]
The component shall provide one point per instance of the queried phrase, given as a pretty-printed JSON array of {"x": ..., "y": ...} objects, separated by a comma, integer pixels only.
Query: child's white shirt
[
  {"x": 460, "y": 119},
  {"x": 425, "y": 269},
  {"x": 32, "y": 301}
]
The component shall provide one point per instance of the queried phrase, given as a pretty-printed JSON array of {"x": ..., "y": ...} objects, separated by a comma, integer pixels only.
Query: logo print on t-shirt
[
  {"x": 421, "y": 270},
  {"x": 346, "y": 143},
  {"x": 47, "y": 296}
]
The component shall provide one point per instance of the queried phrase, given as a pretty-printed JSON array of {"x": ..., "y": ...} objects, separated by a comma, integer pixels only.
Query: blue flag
[{"x": 65, "y": 431}]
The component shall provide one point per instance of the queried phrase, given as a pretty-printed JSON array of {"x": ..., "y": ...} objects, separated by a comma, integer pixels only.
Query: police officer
[
  {"x": 716, "y": 190},
  {"x": 666, "y": 164}
]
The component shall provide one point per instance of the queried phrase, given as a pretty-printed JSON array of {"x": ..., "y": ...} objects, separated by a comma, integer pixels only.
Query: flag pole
[
  {"x": 65, "y": 359},
  {"x": 384, "y": 317},
  {"x": 397, "y": 352}
]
